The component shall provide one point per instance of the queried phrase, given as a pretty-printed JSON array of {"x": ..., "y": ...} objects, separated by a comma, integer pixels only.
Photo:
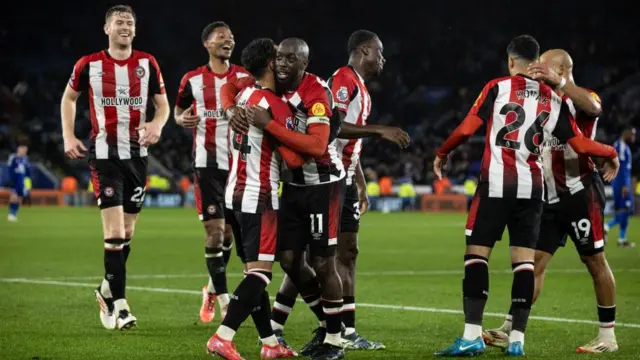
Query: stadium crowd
[{"x": 436, "y": 65}]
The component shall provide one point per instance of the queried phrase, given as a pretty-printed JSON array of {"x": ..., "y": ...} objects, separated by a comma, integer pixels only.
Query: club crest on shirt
[
  {"x": 140, "y": 72},
  {"x": 342, "y": 95}
]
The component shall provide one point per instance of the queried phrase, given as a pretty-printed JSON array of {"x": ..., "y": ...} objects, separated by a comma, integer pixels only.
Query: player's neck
[
  {"x": 267, "y": 82},
  {"x": 119, "y": 52},
  {"x": 219, "y": 66},
  {"x": 359, "y": 68}
]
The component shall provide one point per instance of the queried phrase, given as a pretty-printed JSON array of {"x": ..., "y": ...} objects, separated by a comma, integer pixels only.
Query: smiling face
[
  {"x": 290, "y": 63},
  {"x": 220, "y": 43},
  {"x": 121, "y": 28}
]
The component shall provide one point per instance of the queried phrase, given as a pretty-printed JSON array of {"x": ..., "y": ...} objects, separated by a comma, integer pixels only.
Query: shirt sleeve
[
  {"x": 318, "y": 101},
  {"x": 156, "y": 82},
  {"x": 343, "y": 90},
  {"x": 565, "y": 126},
  {"x": 483, "y": 106},
  {"x": 185, "y": 94},
  {"x": 79, "y": 80}
]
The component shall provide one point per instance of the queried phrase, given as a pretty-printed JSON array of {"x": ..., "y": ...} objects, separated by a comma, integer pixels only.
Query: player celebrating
[
  {"x": 574, "y": 203},
  {"x": 19, "y": 172},
  {"x": 198, "y": 107},
  {"x": 622, "y": 191},
  {"x": 119, "y": 81},
  {"x": 353, "y": 105},
  {"x": 519, "y": 112},
  {"x": 252, "y": 193}
]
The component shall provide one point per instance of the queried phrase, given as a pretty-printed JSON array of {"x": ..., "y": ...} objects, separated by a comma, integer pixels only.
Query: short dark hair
[
  {"x": 359, "y": 38},
  {"x": 120, "y": 9},
  {"x": 256, "y": 56},
  {"x": 525, "y": 47},
  {"x": 206, "y": 32}
]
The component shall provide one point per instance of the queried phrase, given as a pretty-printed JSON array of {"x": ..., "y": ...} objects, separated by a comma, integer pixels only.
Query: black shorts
[
  {"x": 350, "y": 219},
  {"x": 208, "y": 189},
  {"x": 579, "y": 216},
  {"x": 259, "y": 235},
  {"x": 310, "y": 215},
  {"x": 489, "y": 216},
  {"x": 119, "y": 183}
]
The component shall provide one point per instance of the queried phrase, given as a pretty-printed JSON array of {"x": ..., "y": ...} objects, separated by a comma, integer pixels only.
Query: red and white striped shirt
[
  {"x": 351, "y": 98},
  {"x": 519, "y": 114},
  {"x": 119, "y": 91},
  {"x": 252, "y": 185},
  {"x": 565, "y": 171},
  {"x": 313, "y": 103},
  {"x": 201, "y": 88}
]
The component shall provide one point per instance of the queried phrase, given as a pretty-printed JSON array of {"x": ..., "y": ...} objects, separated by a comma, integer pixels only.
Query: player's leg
[
  {"x": 283, "y": 305},
  {"x": 208, "y": 191},
  {"x": 250, "y": 297},
  {"x": 14, "y": 204},
  {"x": 227, "y": 242},
  {"x": 524, "y": 230},
  {"x": 586, "y": 231},
  {"x": 624, "y": 215},
  {"x": 325, "y": 208},
  {"x": 485, "y": 224}
]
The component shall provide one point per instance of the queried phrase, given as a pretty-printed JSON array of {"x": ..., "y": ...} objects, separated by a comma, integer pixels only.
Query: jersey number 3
[
  {"x": 241, "y": 143},
  {"x": 530, "y": 142}
]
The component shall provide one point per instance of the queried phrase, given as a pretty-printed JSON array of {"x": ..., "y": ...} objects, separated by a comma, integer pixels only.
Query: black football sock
[
  {"x": 246, "y": 296},
  {"x": 607, "y": 316},
  {"x": 349, "y": 313},
  {"x": 311, "y": 293},
  {"x": 126, "y": 249},
  {"x": 333, "y": 315},
  {"x": 217, "y": 269},
  {"x": 226, "y": 253},
  {"x": 114, "y": 267},
  {"x": 282, "y": 307},
  {"x": 522, "y": 294},
  {"x": 261, "y": 316},
  {"x": 475, "y": 288}
]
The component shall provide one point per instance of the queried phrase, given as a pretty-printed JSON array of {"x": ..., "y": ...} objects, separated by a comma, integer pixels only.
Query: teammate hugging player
[
  {"x": 519, "y": 113},
  {"x": 574, "y": 203},
  {"x": 198, "y": 107},
  {"x": 20, "y": 173},
  {"x": 311, "y": 196},
  {"x": 252, "y": 195},
  {"x": 119, "y": 81}
]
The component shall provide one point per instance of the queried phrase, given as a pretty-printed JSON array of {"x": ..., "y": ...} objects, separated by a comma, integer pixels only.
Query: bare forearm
[
  {"x": 361, "y": 181},
  {"x": 582, "y": 99},
  {"x": 68, "y": 115},
  {"x": 351, "y": 131},
  {"x": 162, "y": 114}
]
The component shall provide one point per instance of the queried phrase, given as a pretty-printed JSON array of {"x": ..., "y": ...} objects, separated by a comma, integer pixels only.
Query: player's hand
[
  {"x": 258, "y": 116},
  {"x": 74, "y": 148},
  {"x": 237, "y": 119},
  {"x": 610, "y": 169},
  {"x": 149, "y": 133},
  {"x": 363, "y": 198},
  {"x": 395, "y": 135},
  {"x": 541, "y": 71},
  {"x": 438, "y": 164},
  {"x": 188, "y": 119}
]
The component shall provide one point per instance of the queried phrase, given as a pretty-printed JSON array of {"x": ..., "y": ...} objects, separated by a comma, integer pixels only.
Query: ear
[
  {"x": 366, "y": 50},
  {"x": 272, "y": 65},
  {"x": 511, "y": 63},
  {"x": 305, "y": 63},
  {"x": 106, "y": 28}
]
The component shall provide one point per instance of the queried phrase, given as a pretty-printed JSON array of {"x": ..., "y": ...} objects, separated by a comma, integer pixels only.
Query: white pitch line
[
  {"x": 360, "y": 273},
  {"x": 365, "y": 305}
]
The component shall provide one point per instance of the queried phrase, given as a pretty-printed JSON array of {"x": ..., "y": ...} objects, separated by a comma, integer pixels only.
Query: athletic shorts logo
[
  {"x": 108, "y": 191},
  {"x": 318, "y": 109},
  {"x": 140, "y": 72},
  {"x": 343, "y": 94},
  {"x": 211, "y": 209}
]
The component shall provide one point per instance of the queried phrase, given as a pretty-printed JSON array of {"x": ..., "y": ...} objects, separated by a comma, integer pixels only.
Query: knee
[
  {"x": 323, "y": 266},
  {"x": 228, "y": 236},
  {"x": 129, "y": 230},
  {"x": 215, "y": 233},
  {"x": 596, "y": 264},
  {"x": 286, "y": 262},
  {"x": 348, "y": 252}
]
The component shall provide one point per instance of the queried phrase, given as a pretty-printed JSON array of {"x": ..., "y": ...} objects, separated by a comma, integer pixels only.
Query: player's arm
[
  {"x": 78, "y": 82},
  {"x": 153, "y": 129},
  {"x": 183, "y": 111},
  {"x": 290, "y": 157},
  {"x": 235, "y": 115},
  {"x": 361, "y": 182}
]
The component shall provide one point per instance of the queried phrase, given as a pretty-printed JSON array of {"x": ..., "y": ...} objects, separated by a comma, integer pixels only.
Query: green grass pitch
[{"x": 409, "y": 290}]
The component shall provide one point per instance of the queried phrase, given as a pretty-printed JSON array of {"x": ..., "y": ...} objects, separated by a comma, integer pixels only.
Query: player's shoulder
[
  {"x": 11, "y": 159},
  {"x": 345, "y": 72},
  {"x": 194, "y": 72},
  {"x": 312, "y": 82},
  {"x": 95, "y": 56},
  {"x": 593, "y": 94},
  {"x": 238, "y": 71},
  {"x": 137, "y": 54}
]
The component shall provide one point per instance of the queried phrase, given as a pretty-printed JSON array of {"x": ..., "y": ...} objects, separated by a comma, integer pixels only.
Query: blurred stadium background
[{"x": 439, "y": 55}]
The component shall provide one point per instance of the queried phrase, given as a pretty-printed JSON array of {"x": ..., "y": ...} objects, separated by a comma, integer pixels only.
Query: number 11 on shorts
[{"x": 316, "y": 223}]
